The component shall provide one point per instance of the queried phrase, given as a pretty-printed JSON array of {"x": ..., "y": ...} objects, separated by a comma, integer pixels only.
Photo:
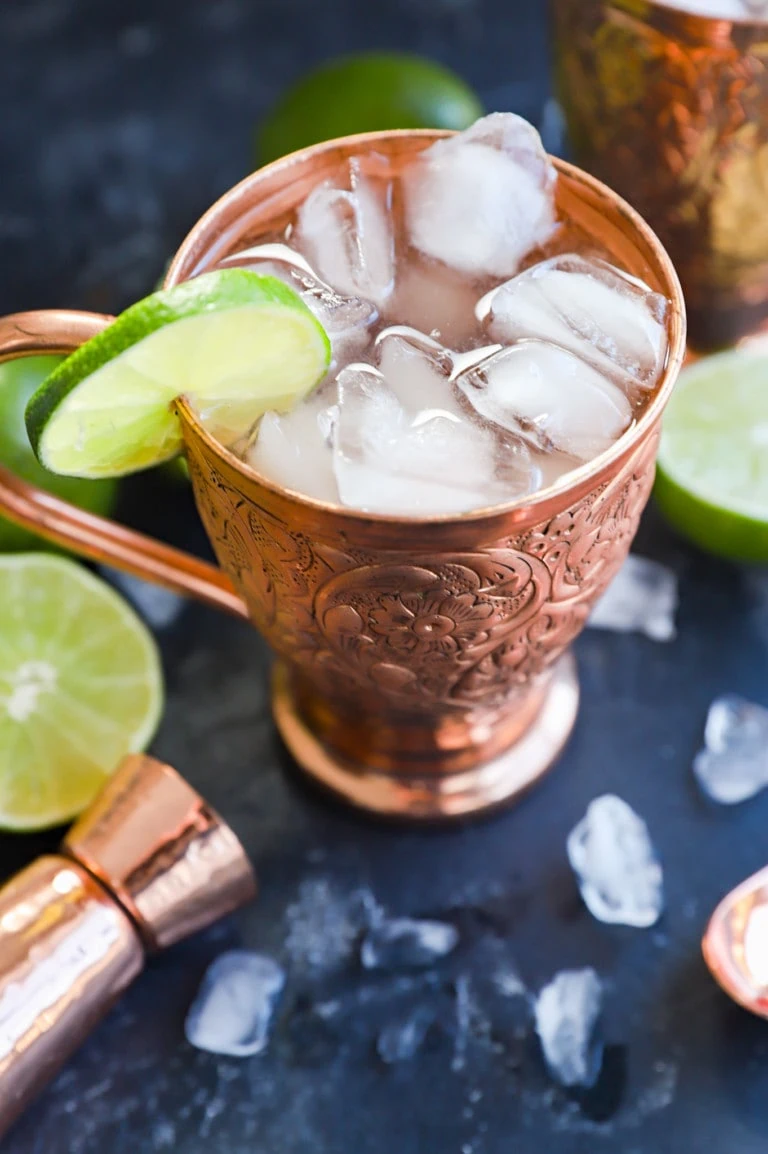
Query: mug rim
[
  {"x": 522, "y": 507},
  {"x": 698, "y": 19}
]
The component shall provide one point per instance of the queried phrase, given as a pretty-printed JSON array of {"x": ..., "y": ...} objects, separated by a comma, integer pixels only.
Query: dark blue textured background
[{"x": 120, "y": 124}]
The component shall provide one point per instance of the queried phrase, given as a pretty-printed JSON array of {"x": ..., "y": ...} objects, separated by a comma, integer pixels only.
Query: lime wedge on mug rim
[
  {"x": 712, "y": 477},
  {"x": 80, "y": 686},
  {"x": 233, "y": 342}
]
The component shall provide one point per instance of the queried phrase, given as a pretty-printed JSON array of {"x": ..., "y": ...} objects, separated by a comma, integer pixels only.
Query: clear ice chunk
[
  {"x": 611, "y": 320},
  {"x": 733, "y": 765},
  {"x": 481, "y": 201},
  {"x": 295, "y": 449},
  {"x": 418, "y": 461},
  {"x": 407, "y": 943},
  {"x": 642, "y": 598},
  {"x": 417, "y": 370},
  {"x": 567, "y": 1014},
  {"x": 233, "y": 1010},
  {"x": 402, "y": 1039},
  {"x": 347, "y": 236},
  {"x": 551, "y": 398},
  {"x": 619, "y": 874},
  {"x": 346, "y": 319}
]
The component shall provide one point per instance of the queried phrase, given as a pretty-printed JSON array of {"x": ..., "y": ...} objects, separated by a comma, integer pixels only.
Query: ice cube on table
[
  {"x": 551, "y": 398},
  {"x": 346, "y": 319},
  {"x": 567, "y": 1013},
  {"x": 348, "y": 238},
  {"x": 233, "y": 1010},
  {"x": 481, "y": 201},
  {"x": 407, "y": 943},
  {"x": 733, "y": 766},
  {"x": 402, "y": 1039},
  {"x": 612, "y": 321},
  {"x": 295, "y": 450},
  {"x": 642, "y": 598},
  {"x": 415, "y": 462},
  {"x": 619, "y": 874}
]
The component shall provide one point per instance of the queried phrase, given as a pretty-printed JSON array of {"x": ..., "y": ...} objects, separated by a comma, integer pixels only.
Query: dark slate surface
[{"x": 120, "y": 124}]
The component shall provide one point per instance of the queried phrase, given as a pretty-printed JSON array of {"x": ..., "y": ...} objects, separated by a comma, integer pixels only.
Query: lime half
[
  {"x": 712, "y": 480},
  {"x": 234, "y": 343},
  {"x": 80, "y": 686}
]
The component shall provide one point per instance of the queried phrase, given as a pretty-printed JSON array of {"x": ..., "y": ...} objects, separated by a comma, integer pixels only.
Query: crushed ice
[
  {"x": 567, "y": 1013},
  {"x": 407, "y": 943},
  {"x": 642, "y": 598},
  {"x": 233, "y": 1010},
  {"x": 733, "y": 765},
  {"x": 324, "y": 924},
  {"x": 618, "y": 871},
  {"x": 401, "y": 1039}
]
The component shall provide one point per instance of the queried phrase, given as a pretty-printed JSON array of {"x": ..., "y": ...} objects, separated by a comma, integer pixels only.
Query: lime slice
[
  {"x": 235, "y": 343},
  {"x": 367, "y": 93},
  {"x": 18, "y": 381},
  {"x": 712, "y": 480},
  {"x": 80, "y": 686}
]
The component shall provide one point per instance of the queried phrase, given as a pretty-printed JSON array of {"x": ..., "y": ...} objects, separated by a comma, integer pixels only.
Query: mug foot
[{"x": 436, "y": 797}]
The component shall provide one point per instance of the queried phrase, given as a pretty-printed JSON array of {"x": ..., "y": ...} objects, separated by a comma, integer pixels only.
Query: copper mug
[
  {"x": 423, "y": 667},
  {"x": 671, "y": 110}
]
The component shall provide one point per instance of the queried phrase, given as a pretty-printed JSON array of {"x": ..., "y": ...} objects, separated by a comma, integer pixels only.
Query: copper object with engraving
[
  {"x": 423, "y": 666},
  {"x": 146, "y": 865},
  {"x": 671, "y": 110}
]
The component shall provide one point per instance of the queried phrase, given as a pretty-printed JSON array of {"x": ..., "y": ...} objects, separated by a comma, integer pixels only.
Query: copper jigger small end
[{"x": 167, "y": 857}]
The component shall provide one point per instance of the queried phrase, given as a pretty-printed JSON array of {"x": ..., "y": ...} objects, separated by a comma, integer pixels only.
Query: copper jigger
[
  {"x": 671, "y": 110},
  {"x": 146, "y": 865},
  {"x": 423, "y": 668}
]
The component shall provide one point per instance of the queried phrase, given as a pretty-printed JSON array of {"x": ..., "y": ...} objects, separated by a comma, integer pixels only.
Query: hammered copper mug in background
[
  {"x": 671, "y": 110},
  {"x": 423, "y": 667}
]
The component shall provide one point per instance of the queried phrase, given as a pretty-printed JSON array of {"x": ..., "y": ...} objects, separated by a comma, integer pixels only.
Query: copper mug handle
[{"x": 48, "y": 331}]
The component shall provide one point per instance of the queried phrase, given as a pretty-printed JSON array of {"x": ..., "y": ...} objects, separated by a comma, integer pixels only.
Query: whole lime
[
  {"x": 366, "y": 93},
  {"x": 18, "y": 381}
]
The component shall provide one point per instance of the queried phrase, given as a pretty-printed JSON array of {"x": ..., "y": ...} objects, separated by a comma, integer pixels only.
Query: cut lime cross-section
[
  {"x": 234, "y": 343},
  {"x": 80, "y": 687},
  {"x": 712, "y": 480}
]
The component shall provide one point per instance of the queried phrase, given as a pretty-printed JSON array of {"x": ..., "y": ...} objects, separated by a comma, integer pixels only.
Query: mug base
[{"x": 436, "y": 797}]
